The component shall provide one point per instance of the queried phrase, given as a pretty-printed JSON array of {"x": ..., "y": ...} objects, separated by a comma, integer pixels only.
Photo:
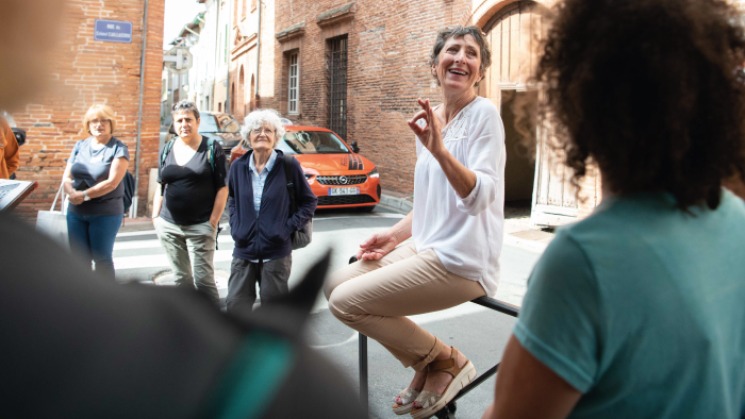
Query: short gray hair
[
  {"x": 186, "y": 106},
  {"x": 258, "y": 118},
  {"x": 459, "y": 32}
]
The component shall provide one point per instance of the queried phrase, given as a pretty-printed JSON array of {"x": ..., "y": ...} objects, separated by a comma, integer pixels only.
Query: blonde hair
[{"x": 98, "y": 111}]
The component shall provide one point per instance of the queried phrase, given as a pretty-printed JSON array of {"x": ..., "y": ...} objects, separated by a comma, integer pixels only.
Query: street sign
[
  {"x": 178, "y": 59},
  {"x": 113, "y": 31}
]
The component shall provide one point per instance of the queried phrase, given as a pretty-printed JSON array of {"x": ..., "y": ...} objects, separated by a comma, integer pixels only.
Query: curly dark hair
[{"x": 652, "y": 91}]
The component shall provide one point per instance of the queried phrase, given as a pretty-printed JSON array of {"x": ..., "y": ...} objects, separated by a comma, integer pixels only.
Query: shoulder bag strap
[{"x": 59, "y": 195}]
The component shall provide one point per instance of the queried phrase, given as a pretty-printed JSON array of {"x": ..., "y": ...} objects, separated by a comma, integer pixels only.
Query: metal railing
[{"x": 490, "y": 303}]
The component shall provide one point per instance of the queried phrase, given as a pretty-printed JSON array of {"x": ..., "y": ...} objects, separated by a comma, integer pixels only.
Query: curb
[{"x": 402, "y": 204}]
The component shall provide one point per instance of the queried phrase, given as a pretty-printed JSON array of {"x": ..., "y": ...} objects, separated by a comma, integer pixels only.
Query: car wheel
[{"x": 366, "y": 209}]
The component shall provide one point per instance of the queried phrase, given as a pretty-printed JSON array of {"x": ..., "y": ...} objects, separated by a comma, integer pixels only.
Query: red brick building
[
  {"x": 118, "y": 63},
  {"x": 357, "y": 67}
]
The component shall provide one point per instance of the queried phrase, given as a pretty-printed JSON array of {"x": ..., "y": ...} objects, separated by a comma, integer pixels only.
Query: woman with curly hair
[{"x": 637, "y": 310}]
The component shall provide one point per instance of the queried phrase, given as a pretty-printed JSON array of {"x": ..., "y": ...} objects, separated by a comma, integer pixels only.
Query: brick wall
[
  {"x": 388, "y": 48},
  {"x": 85, "y": 72}
]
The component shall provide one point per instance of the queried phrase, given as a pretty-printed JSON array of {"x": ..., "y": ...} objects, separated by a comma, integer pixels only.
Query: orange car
[{"x": 337, "y": 174}]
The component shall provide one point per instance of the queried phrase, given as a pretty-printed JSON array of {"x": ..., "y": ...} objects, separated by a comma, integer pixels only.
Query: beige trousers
[{"x": 374, "y": 298}]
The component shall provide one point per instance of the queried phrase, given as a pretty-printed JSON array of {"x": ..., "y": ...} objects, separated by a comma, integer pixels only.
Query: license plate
[{"x": 344, "y": 191}]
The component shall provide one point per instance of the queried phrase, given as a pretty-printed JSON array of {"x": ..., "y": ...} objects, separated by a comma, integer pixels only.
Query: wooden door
[{"x": 513, "y": 35}]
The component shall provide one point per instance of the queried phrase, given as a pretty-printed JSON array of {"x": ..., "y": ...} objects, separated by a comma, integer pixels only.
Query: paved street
[{"x": 478, "y": 332}]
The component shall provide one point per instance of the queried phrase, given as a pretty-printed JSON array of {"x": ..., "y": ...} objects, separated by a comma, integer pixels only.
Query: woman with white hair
[{"x": 261, "y": 219}]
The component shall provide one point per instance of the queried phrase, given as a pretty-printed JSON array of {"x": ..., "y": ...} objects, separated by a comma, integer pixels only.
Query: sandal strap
[{"x": 446, "y": 365}]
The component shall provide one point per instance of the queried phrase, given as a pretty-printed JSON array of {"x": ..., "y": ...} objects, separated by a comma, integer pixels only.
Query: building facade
[
  {"x": 357, "y": 67},
  {"x": 121, "y": 68}
]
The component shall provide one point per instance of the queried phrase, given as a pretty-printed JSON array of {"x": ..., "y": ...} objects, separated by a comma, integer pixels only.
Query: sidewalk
[{"x": 517, "y": 228}]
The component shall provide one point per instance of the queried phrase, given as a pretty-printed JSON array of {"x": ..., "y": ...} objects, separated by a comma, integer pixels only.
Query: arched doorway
[
  {"x": 510, "y": 33},
  {"x": 513, "y": 33}
]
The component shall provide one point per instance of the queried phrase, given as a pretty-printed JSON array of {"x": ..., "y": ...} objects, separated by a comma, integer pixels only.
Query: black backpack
[{"x": 129, "y": 190}]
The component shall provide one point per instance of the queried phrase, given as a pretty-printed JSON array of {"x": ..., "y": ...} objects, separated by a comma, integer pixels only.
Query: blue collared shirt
[{"x": 259, "y": 179}]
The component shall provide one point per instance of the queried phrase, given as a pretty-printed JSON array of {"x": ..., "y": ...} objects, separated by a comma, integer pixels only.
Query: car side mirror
[
  {"x": 20, "y": 134},
  {"x": 355, "y": 147}
]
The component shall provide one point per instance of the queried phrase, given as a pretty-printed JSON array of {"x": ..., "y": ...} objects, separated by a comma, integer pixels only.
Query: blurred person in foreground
[
  {"x": 261, "y": 218},
  {"x": 93, "y": 184},
  {"x": 456, "y": 228},
  {"x": 78, "y": 347},
  {"x": 188, "y": 205},
  {"x": 637, "y": 310},
  {"x": 9, "y": 151}
]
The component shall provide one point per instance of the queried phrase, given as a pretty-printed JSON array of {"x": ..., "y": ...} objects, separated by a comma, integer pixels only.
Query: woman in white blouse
[{"x": 455, "y": 228}]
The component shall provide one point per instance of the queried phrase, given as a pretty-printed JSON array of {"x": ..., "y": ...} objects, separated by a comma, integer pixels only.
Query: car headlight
[{"x": 374, "y": 173}]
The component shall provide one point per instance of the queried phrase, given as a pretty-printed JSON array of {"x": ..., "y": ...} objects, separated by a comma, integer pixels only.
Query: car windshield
[
  {"x": 219, "y": 123},
  {"x": 312, "y": 142}
]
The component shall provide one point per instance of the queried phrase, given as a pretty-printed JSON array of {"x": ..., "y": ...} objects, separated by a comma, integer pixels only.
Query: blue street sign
[{"x": 113, "y": 31}]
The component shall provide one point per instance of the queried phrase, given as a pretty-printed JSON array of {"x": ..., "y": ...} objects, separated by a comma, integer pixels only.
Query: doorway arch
[
  {"x": 513, "y": 32},
  {"x": 510, "y": 33}
]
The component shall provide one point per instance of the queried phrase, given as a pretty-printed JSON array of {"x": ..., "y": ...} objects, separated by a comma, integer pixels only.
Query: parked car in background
[
  {"x": 338, "y": 175},
  {"x": 221, "y": 126}
]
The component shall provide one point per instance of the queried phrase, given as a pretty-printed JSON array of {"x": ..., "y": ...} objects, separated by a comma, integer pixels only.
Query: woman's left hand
[
  {"x": 76, "y": 198},
  {"x": 430, "y": 132}
]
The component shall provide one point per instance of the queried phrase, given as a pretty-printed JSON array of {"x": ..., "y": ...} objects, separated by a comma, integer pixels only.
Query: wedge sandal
[
  {"x": 428, "y": 403},
  {"x": 404, "y": 401}
]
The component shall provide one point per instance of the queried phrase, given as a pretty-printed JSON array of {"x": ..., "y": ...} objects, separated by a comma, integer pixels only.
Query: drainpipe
[
  {"x": 217, "y": 43},
  {"x": 138, "y": 147},
  {"x": 258, "y": 55},
  {"x": 227, "y": 58}
]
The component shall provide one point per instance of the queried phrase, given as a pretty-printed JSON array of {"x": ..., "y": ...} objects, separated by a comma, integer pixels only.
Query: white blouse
[{"x": 466, "y": 234}]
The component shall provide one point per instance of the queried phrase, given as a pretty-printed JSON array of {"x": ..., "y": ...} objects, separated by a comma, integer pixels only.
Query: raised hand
[{"x": 427, "y": 127}]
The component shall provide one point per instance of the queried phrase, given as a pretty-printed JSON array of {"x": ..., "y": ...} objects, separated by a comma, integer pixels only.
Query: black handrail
[{"x": 488, "y": 302}]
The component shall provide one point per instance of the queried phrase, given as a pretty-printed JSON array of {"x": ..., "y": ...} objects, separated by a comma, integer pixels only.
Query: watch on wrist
[{"x": 85, "y": 196}]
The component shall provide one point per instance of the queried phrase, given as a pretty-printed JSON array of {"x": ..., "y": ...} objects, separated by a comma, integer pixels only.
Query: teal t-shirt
[{"x": 641, "y": 307}]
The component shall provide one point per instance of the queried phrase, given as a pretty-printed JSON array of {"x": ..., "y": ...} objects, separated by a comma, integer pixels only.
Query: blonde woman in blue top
[{"x": 93, "y": 184}]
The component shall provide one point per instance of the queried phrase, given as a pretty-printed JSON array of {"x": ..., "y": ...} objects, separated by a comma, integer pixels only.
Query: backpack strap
[
  {"x": 166, "y": 149},
  {"x": 211, "y": 152}
]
